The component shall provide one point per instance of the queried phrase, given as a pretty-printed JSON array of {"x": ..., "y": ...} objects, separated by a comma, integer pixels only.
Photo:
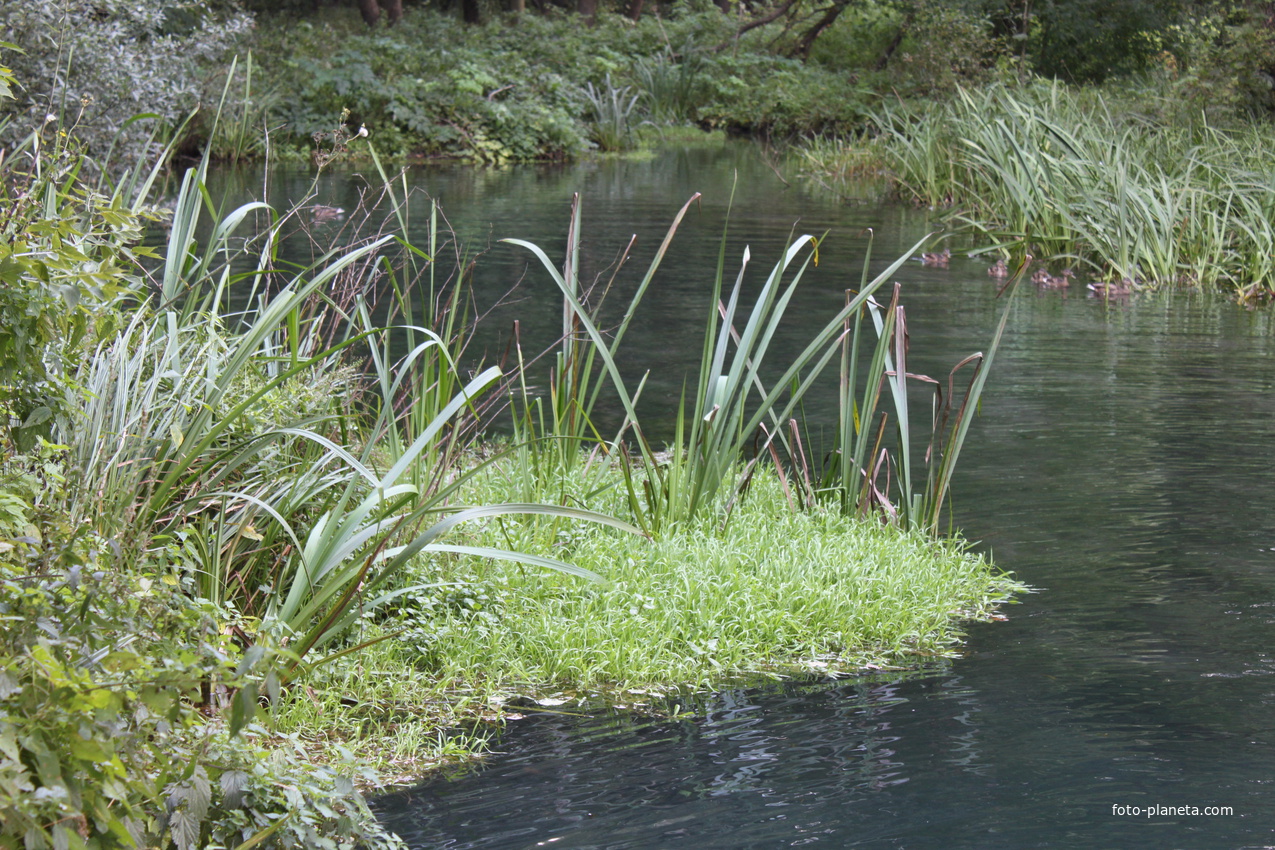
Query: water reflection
[{"x": 791, "y": 765}]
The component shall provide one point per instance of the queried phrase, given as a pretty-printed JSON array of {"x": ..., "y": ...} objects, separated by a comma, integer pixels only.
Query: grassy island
[{"x": 254, "y": 560}]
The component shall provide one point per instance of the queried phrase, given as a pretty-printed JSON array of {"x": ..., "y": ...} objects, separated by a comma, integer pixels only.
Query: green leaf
[
  {"x": 38, "y": 416},
  {"x": 233, "y": 784},
  {"x": 91, "y": 750},
  {"x": 243, "y": 708},
  {"x": 200, "y": 795},
  {"x": 185, "y": 829}
]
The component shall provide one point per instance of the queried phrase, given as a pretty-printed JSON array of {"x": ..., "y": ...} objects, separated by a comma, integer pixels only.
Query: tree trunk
[
  {"x": 635, "y": 8},
  {"x": 393, "y": 10},
  {"x": 807, "y": 41},
  {"x": 470, "y": 11},
  {"x": 588, "y": 10},
  {"x": 370, "y": 11},
  {"x": 894, "y": 45}
]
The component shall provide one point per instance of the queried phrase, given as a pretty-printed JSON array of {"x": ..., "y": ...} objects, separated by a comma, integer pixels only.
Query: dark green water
[{"x": 1122, "y": 464}]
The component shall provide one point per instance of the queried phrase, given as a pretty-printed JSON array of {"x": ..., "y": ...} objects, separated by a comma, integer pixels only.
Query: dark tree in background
[
  {"x": 371, "y": 10},
  {"x": 1088, "y": 41}
]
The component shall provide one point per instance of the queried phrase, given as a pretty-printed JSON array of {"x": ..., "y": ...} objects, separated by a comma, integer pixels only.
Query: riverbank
[
  {"x": 519, "y": 89},
  {"x": 250, "y": 558},
  {"x": 1131, "y": 190}
]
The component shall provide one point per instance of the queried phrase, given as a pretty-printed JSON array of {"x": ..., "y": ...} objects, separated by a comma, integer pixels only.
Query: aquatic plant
[
  {"x": 609, "y": 109},
  {"x": 775, "y": 592},
  {"x": 868, "y": 473},
  {"x": 670, "y": 83},
  {"x": 1042, "y": 169},
  {"x": 301, "y": 519},
  {"x": 730, "y": 400}
]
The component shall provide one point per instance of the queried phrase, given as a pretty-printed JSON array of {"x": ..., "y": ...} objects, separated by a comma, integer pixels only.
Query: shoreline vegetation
[
  {"x": 1143, "y": 170},
  {"x": 253, "y": 562},
  {"x": 1074, "y": 179}
]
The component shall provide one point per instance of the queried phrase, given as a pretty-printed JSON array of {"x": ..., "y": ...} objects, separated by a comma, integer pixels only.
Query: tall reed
[
  {"x": 1044, "y": 170},
  {"x": 731, "y": 402},
  {"x": 610, "y": 107},
  {"x": 872, "y": 474},
  {"x": 301, "y": 516}
]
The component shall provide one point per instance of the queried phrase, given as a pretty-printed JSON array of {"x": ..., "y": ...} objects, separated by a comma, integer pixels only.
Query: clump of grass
[
  {"x": 731, "y": 404},
  {"x": 776, "y": 591},
  {"x": 610, "y": 107},
  {"x": 671, "y": 84},
  {"x": 375, "y": 709},
  {"x": 852, "y": 166}
]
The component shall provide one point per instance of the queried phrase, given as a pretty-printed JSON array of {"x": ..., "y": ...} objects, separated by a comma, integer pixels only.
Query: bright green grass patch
[{"x": 775, "y": 591}]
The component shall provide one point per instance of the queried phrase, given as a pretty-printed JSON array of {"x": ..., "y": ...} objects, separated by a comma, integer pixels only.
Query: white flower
[{"x": 362, "y": 131}]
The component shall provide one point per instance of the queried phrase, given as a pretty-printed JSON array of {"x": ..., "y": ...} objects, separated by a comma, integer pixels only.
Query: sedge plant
[
  {"x": 300, "y": 519},
  {"x": 731, "y": 400}
]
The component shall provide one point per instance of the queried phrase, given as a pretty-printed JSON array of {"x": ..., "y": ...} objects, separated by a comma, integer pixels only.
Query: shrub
[
  {"x": 429, "y": 87},
  {"x": 65, "y": 262},
  {"x": 95, "y": 65},
  {"x": 778, "y": 97},
  {"x": 945, "y": 49},
  {"x": 1221, "y": 64},
  {"x": 512, "y": 90},
  {"x": 104, "y": 671}
]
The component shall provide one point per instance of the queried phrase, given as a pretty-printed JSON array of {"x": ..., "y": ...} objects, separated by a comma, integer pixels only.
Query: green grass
[
  {"x": 776, "y": 593},
  {"x": 776, "y": 590}
]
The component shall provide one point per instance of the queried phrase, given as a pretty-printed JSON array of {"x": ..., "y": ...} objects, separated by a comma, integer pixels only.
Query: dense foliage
[
  {"x": 94, "y": 66},
  {"x": 200, "y": 509},
  {"x": 520, "y": 90},
  {"x": 109, "y": 675},
  {"x": 518, "y": 86},
  {"x": 114, "y": 670}
]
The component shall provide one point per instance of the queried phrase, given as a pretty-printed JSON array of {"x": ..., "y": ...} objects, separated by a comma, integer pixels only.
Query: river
[{"x": 1121, "y": 465}]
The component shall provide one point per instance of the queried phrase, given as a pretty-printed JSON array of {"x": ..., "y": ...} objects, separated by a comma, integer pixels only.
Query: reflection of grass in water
[{"x": 848, "y": 168}]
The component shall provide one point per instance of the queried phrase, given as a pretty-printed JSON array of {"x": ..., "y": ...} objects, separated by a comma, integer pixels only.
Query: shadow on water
[{"x": 1121, "y": 463}]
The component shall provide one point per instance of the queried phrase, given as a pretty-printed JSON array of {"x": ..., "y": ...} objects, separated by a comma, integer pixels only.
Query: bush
[
  {"x": 109, "y": 682},
  {"x": 430, "y": 87},
  {"x": 516, "y": 89},
  {"x": 1222, "y": 65},
  {"x": 66, "y": 263},
  {"x": 755, "y": 92},
  {"x": 95, "y": 65}
]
